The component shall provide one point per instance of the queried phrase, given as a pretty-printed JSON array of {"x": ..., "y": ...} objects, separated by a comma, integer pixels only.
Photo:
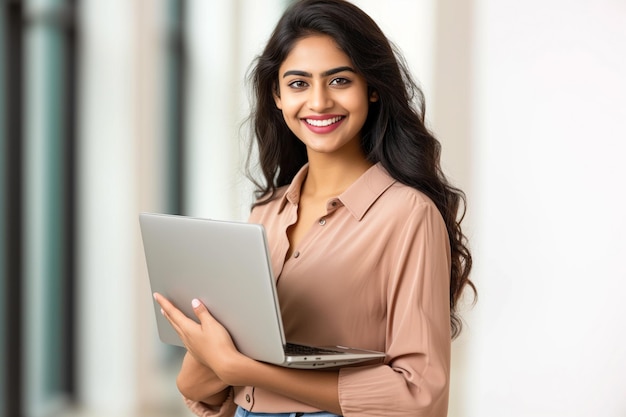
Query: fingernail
[
  {"x": 195, "y": 303},
  {"x": 154, "y": 295},
  {"x": 162, "y": 312}
]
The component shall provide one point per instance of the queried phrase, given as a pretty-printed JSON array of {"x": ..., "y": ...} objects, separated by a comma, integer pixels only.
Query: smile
[{"x": 323, "y": 123}]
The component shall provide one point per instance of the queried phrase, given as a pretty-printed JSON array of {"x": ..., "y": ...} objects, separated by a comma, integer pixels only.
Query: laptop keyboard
[{"x": 301, "y": 350}]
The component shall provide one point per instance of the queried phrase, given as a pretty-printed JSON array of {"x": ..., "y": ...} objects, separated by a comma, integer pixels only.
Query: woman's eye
[
  {"x": 340, "y": 81},
  {"x": 297, "y": 84}
]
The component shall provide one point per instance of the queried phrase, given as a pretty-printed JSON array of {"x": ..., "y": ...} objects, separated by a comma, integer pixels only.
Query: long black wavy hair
[{"x": 394, "y": 133}]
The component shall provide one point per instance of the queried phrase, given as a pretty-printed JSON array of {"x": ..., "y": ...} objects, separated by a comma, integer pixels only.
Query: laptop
[{"x": 227, "y": 266}]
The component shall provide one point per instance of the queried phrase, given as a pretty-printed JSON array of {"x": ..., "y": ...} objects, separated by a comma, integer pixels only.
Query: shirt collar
[
  {"x": 357, "y": 199},
  {"x": 360, "y": 196},
  {"x": 292, "y": 195}
]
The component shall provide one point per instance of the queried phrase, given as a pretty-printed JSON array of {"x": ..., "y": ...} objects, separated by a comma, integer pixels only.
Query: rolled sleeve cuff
[
  {"x": 379, "y": 390},
  {"x": 227, "y": 409}
]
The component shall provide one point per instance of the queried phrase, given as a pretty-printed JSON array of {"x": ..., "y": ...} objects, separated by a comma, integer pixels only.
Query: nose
[{"x": 319, "y": 98}]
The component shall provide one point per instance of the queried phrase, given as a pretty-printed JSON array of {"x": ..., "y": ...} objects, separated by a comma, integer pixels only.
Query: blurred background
[{"x": 109, "y": 108}]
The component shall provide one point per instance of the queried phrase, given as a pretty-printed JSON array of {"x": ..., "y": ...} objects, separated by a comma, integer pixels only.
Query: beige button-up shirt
[{"x": 373, "y": 272}]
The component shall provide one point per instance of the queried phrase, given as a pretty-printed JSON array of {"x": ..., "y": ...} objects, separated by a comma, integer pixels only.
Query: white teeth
[{"x": 322, "y": 123}]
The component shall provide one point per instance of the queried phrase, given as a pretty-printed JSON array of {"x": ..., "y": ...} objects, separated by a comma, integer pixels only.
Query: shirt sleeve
[
  {"x": 414, "y": 380},
  {"x": 227, "y": 409}
]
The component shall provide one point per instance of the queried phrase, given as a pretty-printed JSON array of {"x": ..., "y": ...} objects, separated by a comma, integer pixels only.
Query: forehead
[{"x": 315, "y": 54}]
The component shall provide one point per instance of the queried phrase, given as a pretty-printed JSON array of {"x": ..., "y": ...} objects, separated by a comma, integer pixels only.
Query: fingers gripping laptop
[{"x": 227, "y": 266}]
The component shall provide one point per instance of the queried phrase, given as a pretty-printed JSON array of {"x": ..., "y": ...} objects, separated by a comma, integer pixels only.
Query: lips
[{"x": 323, "y": 122}]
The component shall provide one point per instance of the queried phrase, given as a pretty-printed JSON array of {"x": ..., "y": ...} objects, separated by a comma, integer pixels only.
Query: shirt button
[
  {"x": 322, "y": 221},
  {"x": 248, "y": 397},
  {"x": 296, "y": 254}
]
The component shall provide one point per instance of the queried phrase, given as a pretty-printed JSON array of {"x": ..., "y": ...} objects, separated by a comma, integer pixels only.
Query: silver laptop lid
[{"x": 223, "y": 264}]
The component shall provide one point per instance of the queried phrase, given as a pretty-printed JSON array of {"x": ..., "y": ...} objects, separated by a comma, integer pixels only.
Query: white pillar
[
  {"x": 212, "y": 98},
  {"x": 120, "y": 173},
  {"x": 224, "y": 37}
]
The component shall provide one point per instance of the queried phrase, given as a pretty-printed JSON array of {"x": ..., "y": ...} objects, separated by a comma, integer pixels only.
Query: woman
[{"x": 363, "y": 228}]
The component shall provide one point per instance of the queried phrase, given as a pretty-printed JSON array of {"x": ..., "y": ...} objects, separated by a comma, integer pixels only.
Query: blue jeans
[{"x": 244, "y": 413}]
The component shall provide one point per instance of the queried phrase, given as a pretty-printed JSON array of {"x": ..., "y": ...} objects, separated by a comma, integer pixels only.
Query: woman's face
[{"x": 323, "y": 100}]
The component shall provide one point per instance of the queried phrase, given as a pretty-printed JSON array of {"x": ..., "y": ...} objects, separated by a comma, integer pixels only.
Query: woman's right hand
[{"x": 198, "y": 382}]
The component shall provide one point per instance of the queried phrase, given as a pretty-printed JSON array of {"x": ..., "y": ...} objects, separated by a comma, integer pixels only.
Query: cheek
[
  {"x": 359, "y": 106},
  {"x": 288, "y": 105}
]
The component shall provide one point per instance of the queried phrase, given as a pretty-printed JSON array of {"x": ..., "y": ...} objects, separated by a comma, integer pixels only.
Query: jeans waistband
[{"x": 241, "y": 412}]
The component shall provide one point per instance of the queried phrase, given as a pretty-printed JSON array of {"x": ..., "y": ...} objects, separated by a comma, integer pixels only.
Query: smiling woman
[
  {"x": 320, "y": 93},
  {"x": 362, "y": 225}
]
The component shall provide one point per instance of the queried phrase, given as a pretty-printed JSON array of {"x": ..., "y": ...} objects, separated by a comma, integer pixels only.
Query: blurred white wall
[
  {"x": 547, "y": 205},
  {"x": 528, "y": 101}
]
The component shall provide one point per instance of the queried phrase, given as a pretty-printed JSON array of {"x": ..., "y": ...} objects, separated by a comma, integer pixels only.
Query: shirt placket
[{"x": 322, "y": 222}]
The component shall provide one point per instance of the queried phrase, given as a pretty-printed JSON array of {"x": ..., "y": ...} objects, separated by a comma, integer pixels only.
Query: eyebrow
[{"x": 332, "y": 71}]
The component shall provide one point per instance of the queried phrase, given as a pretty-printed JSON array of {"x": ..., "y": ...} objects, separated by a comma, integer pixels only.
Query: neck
[{"x": 329, "y": 176}]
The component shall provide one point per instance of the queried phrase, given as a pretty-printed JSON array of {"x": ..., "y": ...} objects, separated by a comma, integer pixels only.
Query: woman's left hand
[{"x": 208, "y": 341}]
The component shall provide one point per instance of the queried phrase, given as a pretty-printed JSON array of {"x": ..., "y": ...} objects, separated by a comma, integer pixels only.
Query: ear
[
  {"x": 276, "y": 95},
  {"x": 374, "y": 96}
]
